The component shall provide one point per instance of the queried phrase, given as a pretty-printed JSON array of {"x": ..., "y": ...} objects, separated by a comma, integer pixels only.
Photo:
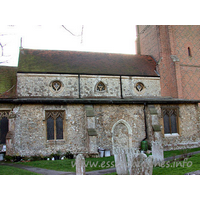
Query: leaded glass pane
[
  {"x": 173, "y": 124},
  {"x": 59, "y": 128},
  {"x": 166, "y": 124},
  {"x": 50, "y": 128}
]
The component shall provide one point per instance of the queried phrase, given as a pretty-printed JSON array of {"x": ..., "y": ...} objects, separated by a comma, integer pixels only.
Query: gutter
[
  {"x": 145, "y": 122},
  {"x": 98, "y": 101}
]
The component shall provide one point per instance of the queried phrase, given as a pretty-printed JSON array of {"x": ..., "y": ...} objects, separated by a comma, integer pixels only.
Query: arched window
[
  {"x": 100, "y": 87},
  {"x": 54, "y": 123},
  {"x": 170, "y": 118}
]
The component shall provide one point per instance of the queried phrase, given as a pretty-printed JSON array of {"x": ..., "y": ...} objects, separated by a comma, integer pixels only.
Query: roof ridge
[{"x": 95, "y": 52}]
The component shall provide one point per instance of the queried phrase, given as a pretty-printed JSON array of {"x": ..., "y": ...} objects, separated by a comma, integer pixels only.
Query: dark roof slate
[{"x": 76, "y": 62}]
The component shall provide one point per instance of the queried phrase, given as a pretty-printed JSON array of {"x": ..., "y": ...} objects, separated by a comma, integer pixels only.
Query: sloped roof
[
  {"x": 53, "y": 61},
  {"x": 8, "y": 81}
]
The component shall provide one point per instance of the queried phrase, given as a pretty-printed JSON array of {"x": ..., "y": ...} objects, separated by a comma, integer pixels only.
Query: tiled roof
[
  {"x": 8, "y": 81},
  {"x": 53, "y": 61}
]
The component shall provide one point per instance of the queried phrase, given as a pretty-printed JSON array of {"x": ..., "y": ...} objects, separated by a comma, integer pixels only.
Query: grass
[
  {"x": 176, "y": 167},
  {"x": 179, "y": 168},
  {"x": 93, "y": 164},
  {"x": 8, "y": 170},
  {"x": 179, "y": 152},
  {"x": 68, "y": 165}
]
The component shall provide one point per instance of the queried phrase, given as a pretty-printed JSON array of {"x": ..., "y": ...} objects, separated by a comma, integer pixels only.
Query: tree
[{"x": 2, "y": 46}]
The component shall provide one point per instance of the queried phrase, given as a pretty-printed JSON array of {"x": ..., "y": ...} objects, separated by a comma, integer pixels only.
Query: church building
[{"x": 81, "y": 101}]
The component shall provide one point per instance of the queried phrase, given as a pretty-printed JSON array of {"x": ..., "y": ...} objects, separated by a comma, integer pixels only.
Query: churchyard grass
[
  {"x": 179, "y": 152},
  {"x": 108, "y": 162},
  {"x": 178, "y": 167},
  {"x": 174, "y": 167},
  {"x": 9, "y": 170},
  {"x": 69, "y": 164}
]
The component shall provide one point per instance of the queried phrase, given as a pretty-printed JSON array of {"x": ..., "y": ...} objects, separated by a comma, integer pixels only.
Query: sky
[
  {"x": 109, "y": 25},
  {"x": 96, "y": 37}
]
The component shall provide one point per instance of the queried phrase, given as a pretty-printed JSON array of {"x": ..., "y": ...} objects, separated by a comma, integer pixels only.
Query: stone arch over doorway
[{"x": 121, "y": 135}]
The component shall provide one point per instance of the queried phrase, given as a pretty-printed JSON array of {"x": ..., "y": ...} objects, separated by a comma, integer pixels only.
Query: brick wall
[
  {"x": 179, "y": 78},
  {"x": 149, "y": 41},
  {"x": 188, "y": 37}
]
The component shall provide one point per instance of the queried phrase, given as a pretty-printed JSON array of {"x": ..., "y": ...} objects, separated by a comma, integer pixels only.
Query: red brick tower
[{"x": 177, "y": 52}]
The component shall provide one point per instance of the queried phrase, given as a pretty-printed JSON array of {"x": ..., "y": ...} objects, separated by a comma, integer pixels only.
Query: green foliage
[
  {"x": 35, "y": 158},
  {"x": 69, "y": 155},
  {"x": 8, "y": 158}
]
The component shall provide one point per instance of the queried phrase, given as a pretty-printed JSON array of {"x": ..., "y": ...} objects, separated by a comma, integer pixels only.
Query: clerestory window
[{"x": 100, "y": 87}]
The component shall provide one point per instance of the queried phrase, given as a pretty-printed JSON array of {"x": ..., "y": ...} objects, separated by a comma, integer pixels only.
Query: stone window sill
[
  {"x": 55, "y": 141},
  {"x": 172, "y": 135}
]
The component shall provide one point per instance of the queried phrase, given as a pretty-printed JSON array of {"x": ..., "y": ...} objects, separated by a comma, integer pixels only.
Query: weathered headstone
[
  {"x": 131, "y": 154},
  {"x": 80, "y": 164},
  {"x": 157, "y": 152},
  {"x": 120, "y": 163},
  {"x": 141, "y": 165},
  {"x": 136, "y": 163}
]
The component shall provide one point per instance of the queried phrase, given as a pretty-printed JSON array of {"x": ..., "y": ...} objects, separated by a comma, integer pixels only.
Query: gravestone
[
  {"x": 80, "y": 164},
  {"x": 141, "y": 165},
  {"x": 120, "y": 163},
  {"x": 157, "y": 151},
  {"x": 136, "y": 164}
]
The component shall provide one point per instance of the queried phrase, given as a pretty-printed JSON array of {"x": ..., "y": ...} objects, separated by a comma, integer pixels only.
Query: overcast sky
[{"x": 112, "y": 38}]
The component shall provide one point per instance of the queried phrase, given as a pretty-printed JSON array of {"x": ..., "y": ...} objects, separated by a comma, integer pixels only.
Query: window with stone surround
[
  {"x": 100, "y": 87},
  {"x": 170, "y": 119},
  {"x": 56, "y": 86},
  {"x": 139, "y": 86},
  {"x": 54, "y": 125}
]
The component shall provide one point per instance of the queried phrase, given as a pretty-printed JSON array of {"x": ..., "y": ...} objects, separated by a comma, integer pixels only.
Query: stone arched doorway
[{"x": 121, "y": 135}]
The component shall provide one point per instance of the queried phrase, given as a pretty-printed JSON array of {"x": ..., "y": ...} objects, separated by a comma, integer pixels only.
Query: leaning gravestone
[
  {"x": 157, "y": 152},
  {"x": 120, "y": 163},
  {"x": 80, "y": 164},
  {"x": 138, "y": 163}
]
